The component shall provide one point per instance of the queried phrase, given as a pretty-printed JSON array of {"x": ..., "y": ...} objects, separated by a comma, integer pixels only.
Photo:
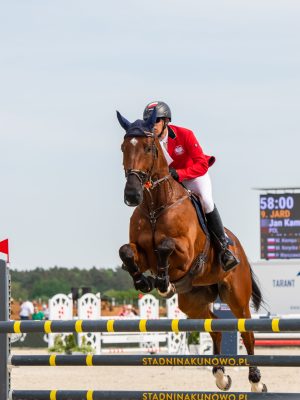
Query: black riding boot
[{"x": 215, "y": 226}]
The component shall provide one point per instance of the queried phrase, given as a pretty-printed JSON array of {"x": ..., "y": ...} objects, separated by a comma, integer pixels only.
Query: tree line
[{"x": 44, "y": 283}]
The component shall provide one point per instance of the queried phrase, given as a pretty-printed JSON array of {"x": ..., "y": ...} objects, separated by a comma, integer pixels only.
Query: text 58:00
[{"x": 271, "y": 203}]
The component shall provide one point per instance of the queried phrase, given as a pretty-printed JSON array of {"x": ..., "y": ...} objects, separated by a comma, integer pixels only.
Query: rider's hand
[{"x": 174, "y": 174}]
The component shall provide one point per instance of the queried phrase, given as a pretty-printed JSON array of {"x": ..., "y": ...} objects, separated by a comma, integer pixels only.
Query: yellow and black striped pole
[
  {"x": 153, "y": 395},
  {"x": 155, "y": 360},
  {"x": 158, "y": 325}
]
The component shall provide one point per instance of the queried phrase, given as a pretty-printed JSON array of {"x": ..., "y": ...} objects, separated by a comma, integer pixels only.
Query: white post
[
  {"x": 89, "y": 307},
  {"x": 149, "y": 309},
  {"x": 60, "y": 308},
  {"x": 176, "y": 341}
]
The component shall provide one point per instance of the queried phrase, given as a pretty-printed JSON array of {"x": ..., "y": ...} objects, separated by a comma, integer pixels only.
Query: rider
[{"x": 189, "y": 165}]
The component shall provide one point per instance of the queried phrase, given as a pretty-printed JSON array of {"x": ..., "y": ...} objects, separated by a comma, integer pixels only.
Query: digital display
[{"x": 280, "y": 225}]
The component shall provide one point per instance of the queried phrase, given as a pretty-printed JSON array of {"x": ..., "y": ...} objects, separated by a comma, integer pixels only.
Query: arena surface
[{"x": 151, "y": 378}]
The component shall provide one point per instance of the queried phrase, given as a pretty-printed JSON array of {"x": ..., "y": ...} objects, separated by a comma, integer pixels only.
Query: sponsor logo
[
  {"x": 193, "y": 396},
  {"x": 221, "y": 306},
  {"x": 179, "y": 150},
  {"x": 283, "y": 283},
  {"x": 238, "y": 361},
  {"x": 152, "y": 105}
]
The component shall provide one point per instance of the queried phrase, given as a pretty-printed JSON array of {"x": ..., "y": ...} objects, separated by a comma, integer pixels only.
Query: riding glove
[{"x": 174, "y": 174}]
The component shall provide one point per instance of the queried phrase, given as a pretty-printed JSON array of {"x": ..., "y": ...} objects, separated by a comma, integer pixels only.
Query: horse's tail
[{"x": 256, "y": 296}]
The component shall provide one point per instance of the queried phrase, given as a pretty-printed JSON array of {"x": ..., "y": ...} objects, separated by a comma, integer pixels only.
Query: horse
[{"x": 170, "y": 251}]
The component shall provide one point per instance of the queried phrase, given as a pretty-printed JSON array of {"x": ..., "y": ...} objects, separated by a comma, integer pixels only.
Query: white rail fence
[{"x": 89, "y": 307}]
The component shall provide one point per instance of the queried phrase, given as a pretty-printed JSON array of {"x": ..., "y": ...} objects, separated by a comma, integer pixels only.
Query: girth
[{"x": 184, "y": 284}]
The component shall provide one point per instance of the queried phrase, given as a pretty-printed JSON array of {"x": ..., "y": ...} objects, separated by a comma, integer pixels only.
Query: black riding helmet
[{"x": 162, "y": 110}]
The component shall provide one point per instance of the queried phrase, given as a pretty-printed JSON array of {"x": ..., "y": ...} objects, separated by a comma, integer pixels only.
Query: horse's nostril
[
  {"x": 129, "y": 203},
  {"x": 133, "y": 193},
  {"x": 132, "y": 199}
]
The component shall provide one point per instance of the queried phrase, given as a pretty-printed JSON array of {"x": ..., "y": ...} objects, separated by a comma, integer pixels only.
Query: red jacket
[{"x": 189, "y": 159}]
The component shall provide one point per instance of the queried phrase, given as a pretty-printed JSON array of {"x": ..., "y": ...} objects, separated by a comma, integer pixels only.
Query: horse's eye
[{"x": 148, "y": 149}]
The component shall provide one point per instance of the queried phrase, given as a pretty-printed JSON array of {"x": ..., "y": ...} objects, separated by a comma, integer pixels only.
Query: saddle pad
[{"x": 200, "y": 214}]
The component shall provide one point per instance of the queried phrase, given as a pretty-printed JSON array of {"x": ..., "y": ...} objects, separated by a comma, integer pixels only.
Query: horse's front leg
[
  {"x": 129, "y": 255},
  {"x": 162, "y": 282}
]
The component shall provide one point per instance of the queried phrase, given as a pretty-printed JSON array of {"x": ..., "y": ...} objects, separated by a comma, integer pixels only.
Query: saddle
[
  {"x": 201, "y": 217},
  {"x": 200, "y": 213}
]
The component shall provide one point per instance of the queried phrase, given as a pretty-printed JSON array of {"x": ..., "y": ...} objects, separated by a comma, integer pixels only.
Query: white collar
[{"x": 164, "y": 139}]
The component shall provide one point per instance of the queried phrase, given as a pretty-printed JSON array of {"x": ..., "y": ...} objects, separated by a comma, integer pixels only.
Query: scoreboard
[{"x": 280, "y": 225}]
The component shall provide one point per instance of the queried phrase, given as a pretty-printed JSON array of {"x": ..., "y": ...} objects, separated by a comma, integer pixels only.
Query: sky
[{"x": 229, "y": 70}]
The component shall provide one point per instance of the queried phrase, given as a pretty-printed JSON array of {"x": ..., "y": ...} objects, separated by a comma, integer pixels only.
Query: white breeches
[{"x": 202, "y": 186}]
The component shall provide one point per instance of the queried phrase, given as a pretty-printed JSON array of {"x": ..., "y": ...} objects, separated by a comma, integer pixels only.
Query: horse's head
[{"x": 140, "y": 153}]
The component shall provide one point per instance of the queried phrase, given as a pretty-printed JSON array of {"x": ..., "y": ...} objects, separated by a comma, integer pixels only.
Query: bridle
[{"x": 145, "y": 176}]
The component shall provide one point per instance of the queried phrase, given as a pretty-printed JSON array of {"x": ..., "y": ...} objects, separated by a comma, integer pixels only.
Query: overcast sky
[{"x": 230, "y": 71}]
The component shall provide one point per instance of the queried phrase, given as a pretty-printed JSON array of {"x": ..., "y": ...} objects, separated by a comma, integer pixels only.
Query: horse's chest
[{"x": 145, "y": 240}]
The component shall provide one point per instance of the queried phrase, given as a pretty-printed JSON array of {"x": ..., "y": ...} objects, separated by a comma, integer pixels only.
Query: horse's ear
[
  {"x": 123, "y": 121},
  {"x": 152, "y": 119}
]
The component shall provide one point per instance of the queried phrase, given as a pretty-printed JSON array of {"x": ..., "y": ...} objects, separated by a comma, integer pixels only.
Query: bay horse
[{"x": 167, "y": 240}]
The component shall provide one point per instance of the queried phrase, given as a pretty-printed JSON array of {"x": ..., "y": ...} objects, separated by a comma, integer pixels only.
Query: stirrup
[{"x": 228, "y": 260}]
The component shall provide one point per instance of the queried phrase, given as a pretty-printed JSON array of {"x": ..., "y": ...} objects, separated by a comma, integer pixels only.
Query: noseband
[{"x": 141, "y": 175}]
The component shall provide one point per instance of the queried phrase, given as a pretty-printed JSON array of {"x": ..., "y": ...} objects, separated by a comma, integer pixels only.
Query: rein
[
  {"x": 150, "y": 184},
  {"x": 154, "y": 214}
]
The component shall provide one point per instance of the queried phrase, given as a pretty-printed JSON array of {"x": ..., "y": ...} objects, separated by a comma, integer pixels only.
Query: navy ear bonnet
[{"x": 138, "y": 127}]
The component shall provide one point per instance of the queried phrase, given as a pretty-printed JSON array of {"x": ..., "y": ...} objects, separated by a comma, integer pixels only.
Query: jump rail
[
  {"x": 155, "y": 360},
  {"x": 207, "y": 325},
  {"x": 155, "y": 395},
  {"x": 143, "y": 325}
]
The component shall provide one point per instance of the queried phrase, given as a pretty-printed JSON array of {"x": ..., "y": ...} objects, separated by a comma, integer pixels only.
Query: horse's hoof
[
  {"x": 258, "y": 387},
  {"x": 265, "y": 389},
  {"x": 169, "y": 293},
  {"x": 228, "y": 384}
]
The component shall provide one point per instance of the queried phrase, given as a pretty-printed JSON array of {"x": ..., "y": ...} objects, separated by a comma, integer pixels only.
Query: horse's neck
[
  {"x": 168, "y": 190},
  {"x": 165, "y": 193}
]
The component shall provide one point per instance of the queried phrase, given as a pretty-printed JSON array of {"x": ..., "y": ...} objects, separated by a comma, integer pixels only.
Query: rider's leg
[
  {"x": 215, "y": 225},
  {"x": 202, "y": 186}
]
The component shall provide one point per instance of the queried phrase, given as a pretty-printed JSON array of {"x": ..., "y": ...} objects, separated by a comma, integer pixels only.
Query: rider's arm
[{"x": 200, "y": 160}]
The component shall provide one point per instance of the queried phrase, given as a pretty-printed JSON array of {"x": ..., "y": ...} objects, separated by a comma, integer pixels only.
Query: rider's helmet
[{"x": 162, "y": 110}]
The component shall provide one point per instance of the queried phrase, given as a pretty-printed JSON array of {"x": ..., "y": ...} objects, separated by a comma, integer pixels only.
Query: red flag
[{"x": 4, "y": 248}]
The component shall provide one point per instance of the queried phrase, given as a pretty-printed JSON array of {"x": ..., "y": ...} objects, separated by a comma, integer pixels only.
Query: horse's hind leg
[
  {"x": 196, "y": 304},
  {"x": 240, "y": 309},
  {"x": 129, "y": 255},
  {"x": 254, "y": 372},
  {"x": 223, "y": 381}
]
